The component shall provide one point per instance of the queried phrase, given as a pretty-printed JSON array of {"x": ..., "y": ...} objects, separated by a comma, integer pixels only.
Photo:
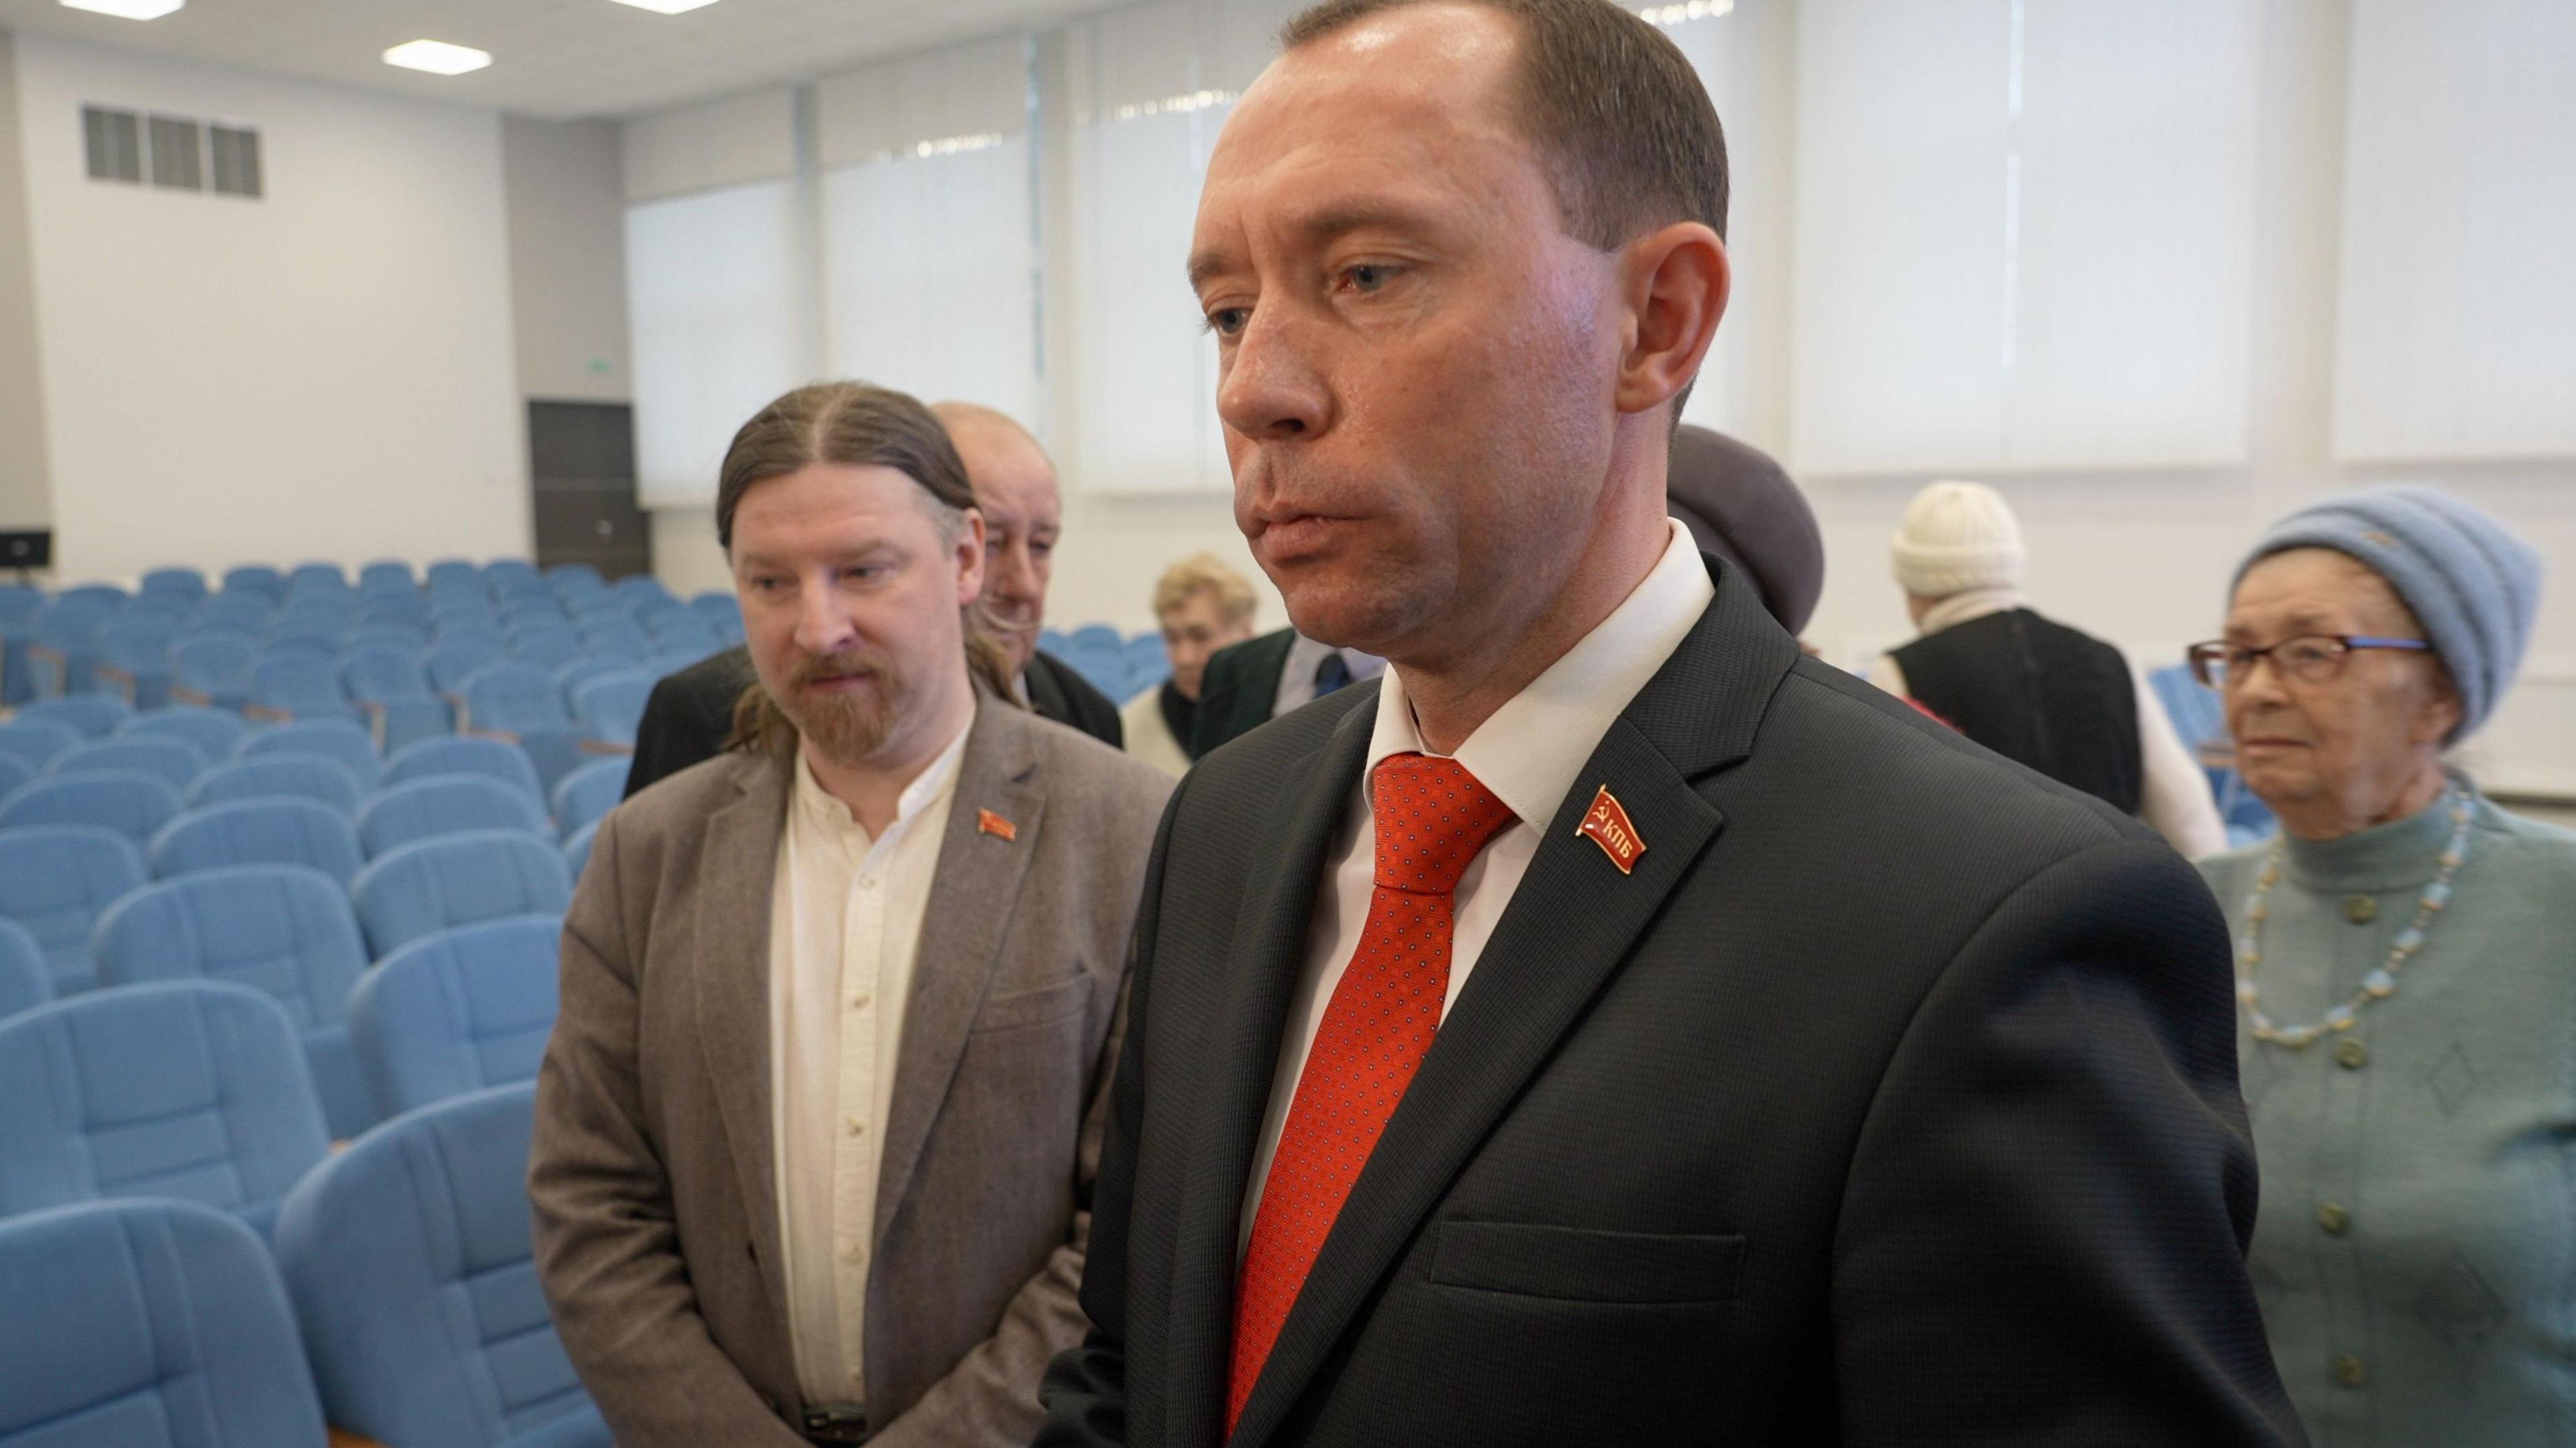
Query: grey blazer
[{"x": 652, "y": 1172}]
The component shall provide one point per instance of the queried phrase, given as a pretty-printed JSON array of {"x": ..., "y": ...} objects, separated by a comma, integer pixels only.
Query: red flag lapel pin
[
  {"x": 1606, "y": 824},
  {"x": 989, "y": 823}
]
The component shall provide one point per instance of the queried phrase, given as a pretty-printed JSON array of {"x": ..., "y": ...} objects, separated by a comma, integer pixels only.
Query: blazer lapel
[
  {"x": 1571, "y": 922},
  {"x": 1261, "y": 980},
  {"x": 731, "y": 953},
  {"x": 972, "y": 897}
]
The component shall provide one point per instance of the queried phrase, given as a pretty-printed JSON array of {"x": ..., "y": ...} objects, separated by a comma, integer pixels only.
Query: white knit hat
[{"x": 1957, "y": 536}]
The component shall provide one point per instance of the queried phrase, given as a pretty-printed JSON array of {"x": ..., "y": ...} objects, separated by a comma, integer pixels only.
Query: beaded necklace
[{"x": 2380, "y": 984}]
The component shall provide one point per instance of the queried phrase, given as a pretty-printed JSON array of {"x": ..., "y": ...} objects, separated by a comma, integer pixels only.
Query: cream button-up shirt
[
  {"x": 1531, "y": 754},
  {"x": 845, "y": 925}
]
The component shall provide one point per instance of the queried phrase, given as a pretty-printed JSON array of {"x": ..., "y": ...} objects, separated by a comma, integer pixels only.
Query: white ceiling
[{"x": 555, "y": 58}]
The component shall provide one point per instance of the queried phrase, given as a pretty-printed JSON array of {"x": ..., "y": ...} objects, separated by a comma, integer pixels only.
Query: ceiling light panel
[
  {"x": 127, "y": 9},
  {"x": 437, "y": 57},
  {"x": 666, "y": 7}
]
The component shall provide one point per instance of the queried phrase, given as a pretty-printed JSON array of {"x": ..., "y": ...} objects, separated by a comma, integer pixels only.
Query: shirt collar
[
  {"x": 821, "y": 807},
  {"x": 1305, "y": 655},
  {"x": 1532, "y": 750},
  {"x": 1976, "y": 603}
]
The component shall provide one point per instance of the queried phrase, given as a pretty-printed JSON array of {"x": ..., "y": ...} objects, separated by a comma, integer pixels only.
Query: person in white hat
[{"x": 2033, "y": 690}]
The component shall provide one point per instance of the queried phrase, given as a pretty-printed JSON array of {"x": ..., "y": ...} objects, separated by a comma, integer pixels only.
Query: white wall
[
  {"x": 567, "y": 210},
  {"x": 326, "y": 372}
]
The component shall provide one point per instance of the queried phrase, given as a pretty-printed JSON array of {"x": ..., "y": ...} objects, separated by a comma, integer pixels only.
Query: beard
[{"x": 846, "y": 728}]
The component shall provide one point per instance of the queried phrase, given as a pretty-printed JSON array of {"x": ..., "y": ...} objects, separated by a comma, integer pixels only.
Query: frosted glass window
[
  {"x": 927, "y": 276},
  {"x": 2025, "y": 234},
  {"x": 2456, "y": 332},
  {"x": 715, "y": 336},
  {"x": 1729, "y": 67}
]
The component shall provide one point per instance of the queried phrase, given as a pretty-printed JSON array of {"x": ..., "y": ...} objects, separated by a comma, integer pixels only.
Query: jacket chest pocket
[
  {"x": 1578, "y": 1264},
  {"x": 1044, "y": 1005}
]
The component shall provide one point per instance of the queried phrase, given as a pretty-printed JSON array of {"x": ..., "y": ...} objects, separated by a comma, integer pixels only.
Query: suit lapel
[
  {"x": 1261, "y": 979},
  {"x": 1571, "y": 923},
  {"x": 731, "y": 952},
  {"x": 972, "y": 898}
]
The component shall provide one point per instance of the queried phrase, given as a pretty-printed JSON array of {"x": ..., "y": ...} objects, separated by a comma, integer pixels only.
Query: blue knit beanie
[{"x": 2472, "y": 585}]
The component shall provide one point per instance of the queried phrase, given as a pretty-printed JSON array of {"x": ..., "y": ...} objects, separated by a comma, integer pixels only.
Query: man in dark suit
[
  {"x": 1253, "y": 682},
  {"x": 1612, "y": 1027},
  {"x": 689, "y": 715}
]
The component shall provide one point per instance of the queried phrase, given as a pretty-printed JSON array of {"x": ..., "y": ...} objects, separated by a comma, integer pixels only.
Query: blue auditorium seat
[
  {"x": 520, "y": 701},
  {"x": 134, "y": 658},
  {"x": 456, "y": 1011},
  {"x": 452, "y": 571},
  {"x": 575, "y": 578},
  {"x": 297, "y": 683},
  {"x": 620, "y": 640},
  {"x": 610, "y": 707},
  {"x": 587, "y": 794},
  {"x": 283, "y": 774},
  {"x": 128, "y": 801},
  {"x": 639, "y": 587},
  {"x": 13, "y": 773},
  {"x": 93, "y": 716},
  {"x": 244, "y": 613},
  {"x": 392, "y": 686},
  {"x": 399, "y": 634},
  {"x": 464, "y": 754},
  {"x": 210, "y": 667},
  {"x": 439, "y": 884},
  {"x": 283, "y": 930},
  {"x": 65, "y": 648},
  {"x": 255, "y": 578},
  {"x": 576, "y": 850},
  {"x": 501, "y": 571},
  {"x": 681, "y": 633},
  {"x": 276, "y": 830},
  {"x": 19, "y": 605},
  {"x": 2198, "y": 717},
  {"x": 96, "y": 593},
  {"x": 409, "y": 1258},
  {"x": 388, "y": 574},
  {"x": 55, "y": 881},
  {"x": 458, "y": 658},
  {"x": 38, "y": 742},
  {"x": 174, "y": 761},
  {"x": 308, "y": 575},
  {"x": 185, "y": 583},
  {"x": 444, "y": 804},
  {"x": 546, "y": 645},
  {"x": 25, "y": 981},
  {"x": 192, "y": 1089},
  {"x": 1094, "y": 636},
  {"x": 147, "y": 1324},
  {"x": 215, "y": 733},
  {"x": 340, "y": 739}
]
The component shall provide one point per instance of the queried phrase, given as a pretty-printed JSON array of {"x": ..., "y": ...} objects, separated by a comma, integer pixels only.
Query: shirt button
[
  {"x": 854, "y": 1254},
  {"x": 2351, "y": 1055},
  {"x": 856, "y": 1126},
  {"x": 2334, "y": 1219},
  {"x": 861, "y": 1001},
  {"x": 2349, "y": 1371},
  {"x": 867, "y": 882},
  {"x": 2360, "y": 909}
]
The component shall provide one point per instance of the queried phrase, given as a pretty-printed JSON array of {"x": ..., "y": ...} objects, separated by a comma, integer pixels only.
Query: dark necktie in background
[{"x": 1331, "y": 674}]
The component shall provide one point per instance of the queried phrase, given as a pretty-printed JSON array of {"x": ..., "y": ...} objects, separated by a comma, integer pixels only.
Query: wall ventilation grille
[{"x": 174, "y": 152}]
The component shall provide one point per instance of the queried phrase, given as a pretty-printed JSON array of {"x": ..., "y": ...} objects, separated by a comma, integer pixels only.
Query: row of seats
[{"x": 1119, "y": 667}]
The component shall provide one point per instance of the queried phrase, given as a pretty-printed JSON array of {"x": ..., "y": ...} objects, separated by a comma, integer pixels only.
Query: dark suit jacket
[
  {"x": 1892, "y": 1100},
  {"x": 690, "y": 713},
  {"x": 1238, "y": 689}
]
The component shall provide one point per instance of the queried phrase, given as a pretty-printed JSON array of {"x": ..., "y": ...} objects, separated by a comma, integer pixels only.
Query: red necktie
[{"x": 1433, "y": 818}]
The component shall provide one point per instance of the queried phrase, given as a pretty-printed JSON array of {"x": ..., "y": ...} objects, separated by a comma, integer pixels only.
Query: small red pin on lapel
[
  {"x": 989, "y": 823},
  {"x": 1607, "y": 825}
]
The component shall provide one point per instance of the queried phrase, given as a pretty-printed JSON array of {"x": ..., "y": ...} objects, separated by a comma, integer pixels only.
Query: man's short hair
[
  {"x": 1618, "y": 117},
  {"x": 1204, "y": 573}
]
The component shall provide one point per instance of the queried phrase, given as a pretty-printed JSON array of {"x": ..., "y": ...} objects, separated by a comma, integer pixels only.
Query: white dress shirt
[
  {"x": 1297, "y": 676},
  {"x": 1531, "y": 754},
  {"x": 845, "y": 925},
  {"x": 2173, "y": 795}
]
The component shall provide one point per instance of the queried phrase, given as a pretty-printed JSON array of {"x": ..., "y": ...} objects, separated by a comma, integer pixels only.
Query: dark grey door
[{"x": 582, "y": 457}]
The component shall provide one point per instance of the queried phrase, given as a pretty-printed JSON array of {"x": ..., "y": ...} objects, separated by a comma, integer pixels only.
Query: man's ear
[{"x": 1675, "y": 282}]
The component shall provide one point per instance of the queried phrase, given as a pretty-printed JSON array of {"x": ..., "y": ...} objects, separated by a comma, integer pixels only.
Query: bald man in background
[{"x": 690, "y": 714}]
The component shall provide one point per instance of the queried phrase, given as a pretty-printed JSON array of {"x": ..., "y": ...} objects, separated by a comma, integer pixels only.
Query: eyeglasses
[{"x": 2306, "y": 658}]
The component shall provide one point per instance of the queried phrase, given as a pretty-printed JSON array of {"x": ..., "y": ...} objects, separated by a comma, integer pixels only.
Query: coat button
[
  {"x": 2351, "y": 1055},
  {"x": 2349, "y": 1372},
  {"x": 2360, "y": 909},
  {"x": 2334, "y": 1219}
]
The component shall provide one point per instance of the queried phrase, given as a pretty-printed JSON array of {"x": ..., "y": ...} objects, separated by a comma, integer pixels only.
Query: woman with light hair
[{"x": 1202, "y": 606}]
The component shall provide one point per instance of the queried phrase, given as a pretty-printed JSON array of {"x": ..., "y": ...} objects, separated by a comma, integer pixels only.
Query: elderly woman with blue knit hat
[{"x": 2406, "y": 966}]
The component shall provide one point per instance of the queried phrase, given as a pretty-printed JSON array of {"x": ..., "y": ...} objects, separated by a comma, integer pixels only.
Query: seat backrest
[
  {"x": 464, "y": 879},
  {"x": 128, "y": 801},
  {"x": 515, "y": 698},
  {"x": 307, "y": 575},
  {"x": 138, "y": 645},
  {"x": 283, "y": 930},
  {"x": 457, "y": 1011},
  {"x": 588, "y": 793},
  {"x": 215, "y": 732},
  {"x": 193, "y": 1089},
  {"x": 452, "y": 571},
  {"x": 385, "y": 671},
  {"x": 546, "y": 645},
  {"x": 148, "y": 1324},
  {"x": 255, "y": 578},
  {"x": 213, "y": 661},
  {"x": 277, "y": 830},
  {"x": 290, "y": 775},
  {"x": 92, "y": 716},
  {"x": 304, "y": 684},
  {"x": 38, "y": 742},
  {"x": 459, "y": 657},
  {"x": 463, "y": 755},
  {"x": 13, "y": 773},
  {"x": 611, "y": 706},
  {"x": 385, "y": 573},
  {"x": 173, "y": 760},
  {"x": 339, "y": 739},
  {"x": 410, "y": 1263},
  {"x": 24, "y": 981},
  {"x": 56, "y": 881},
  {"x": 443, "y": 804}
]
